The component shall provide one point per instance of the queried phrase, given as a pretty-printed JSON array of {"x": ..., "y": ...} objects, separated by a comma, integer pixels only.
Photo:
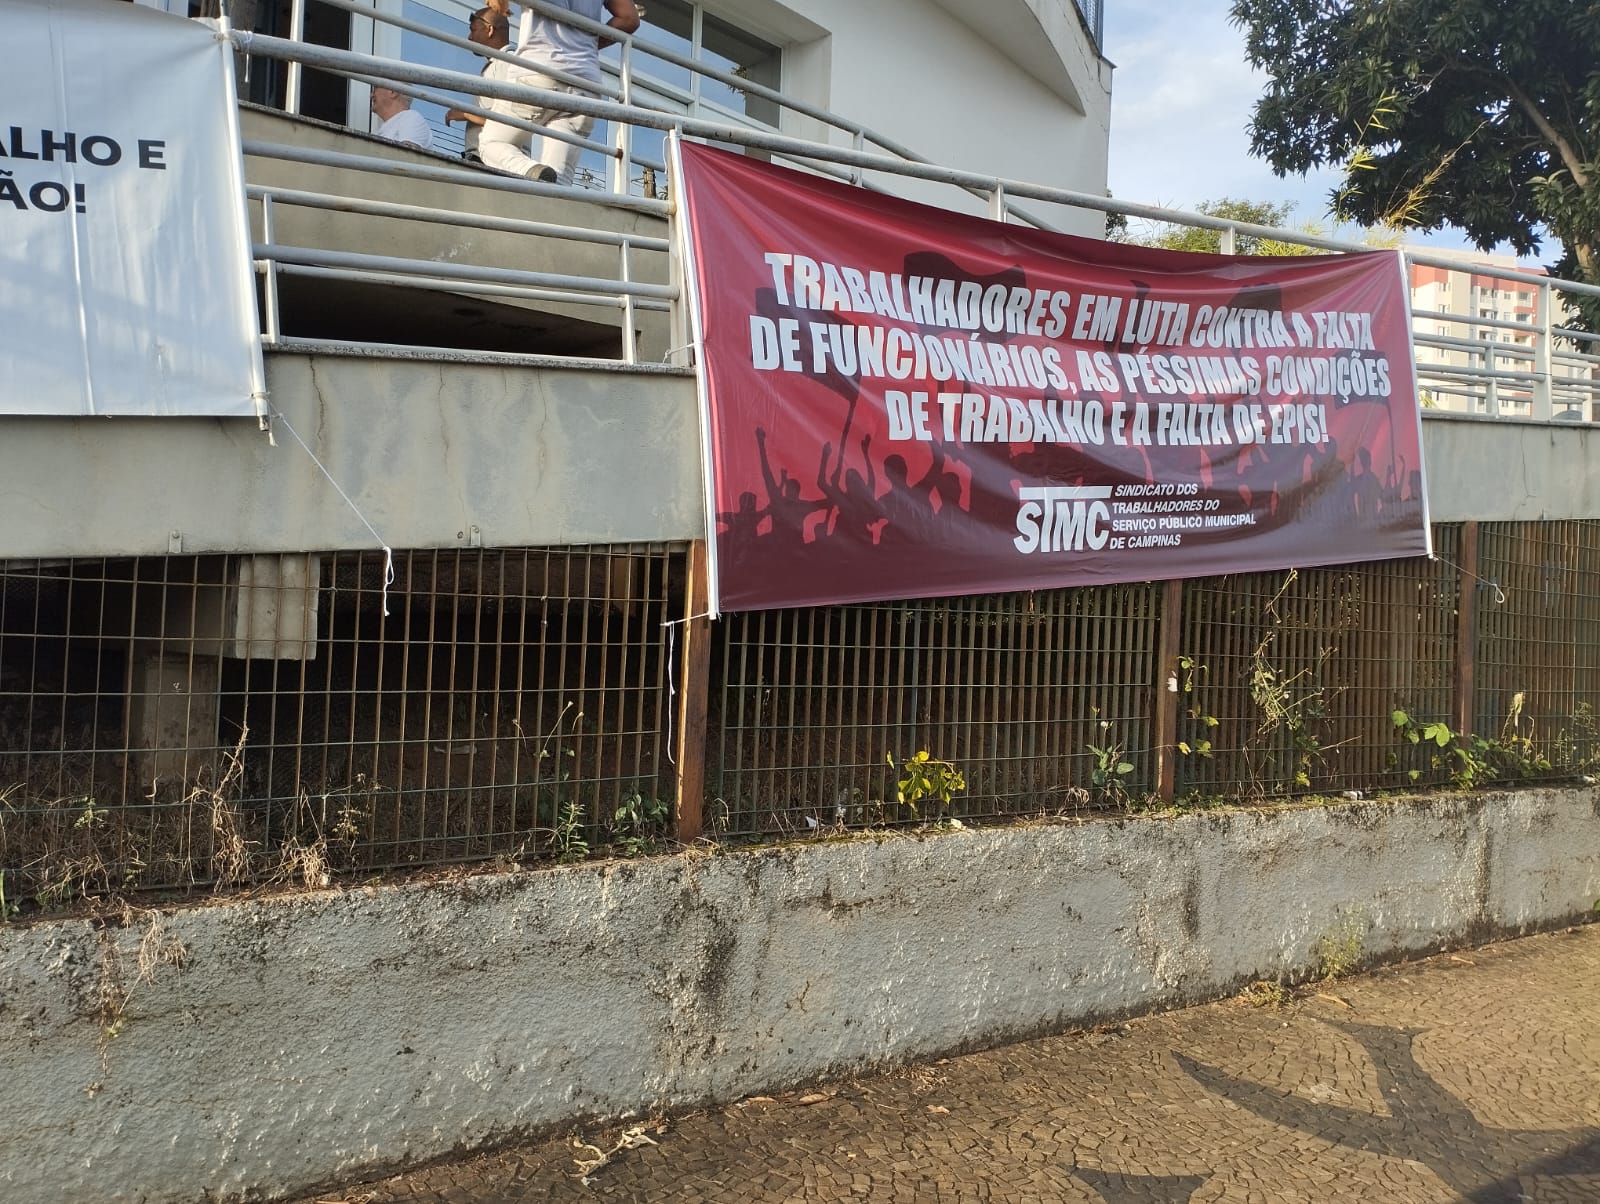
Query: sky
[{"x": 1181, "y": 102}]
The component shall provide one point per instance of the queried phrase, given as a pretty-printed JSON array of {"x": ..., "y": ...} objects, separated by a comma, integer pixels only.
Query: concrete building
[
  {"x": 462, "y": 364},
  {"x": 414, "y": 394}
]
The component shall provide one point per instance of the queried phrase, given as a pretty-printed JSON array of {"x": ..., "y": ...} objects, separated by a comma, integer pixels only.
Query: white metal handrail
[
  {"x": 625, "y": 90},
  {"x": 275, "y": 259},
  {"x": 453, "y": 217},
  {"x": 1555, "y": 373}
]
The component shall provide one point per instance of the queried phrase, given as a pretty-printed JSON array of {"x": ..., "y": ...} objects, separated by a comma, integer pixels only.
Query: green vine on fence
[
  {"x": 1468, "y": 761},
  {"x": 1290, "y": 704},
  {"x": 1191, "y": 671}
]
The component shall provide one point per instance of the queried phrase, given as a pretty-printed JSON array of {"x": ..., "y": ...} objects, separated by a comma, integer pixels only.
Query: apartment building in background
[{"x": 1470, "y": 327}]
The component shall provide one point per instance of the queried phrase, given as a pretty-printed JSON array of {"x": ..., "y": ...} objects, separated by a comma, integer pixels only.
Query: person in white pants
[
  {"x": 491, "y": 27},
  {"x": 549, "y": 43}
]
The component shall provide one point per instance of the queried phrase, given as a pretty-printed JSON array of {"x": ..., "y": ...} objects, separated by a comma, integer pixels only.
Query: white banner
[{"x": 125, "y": 275}]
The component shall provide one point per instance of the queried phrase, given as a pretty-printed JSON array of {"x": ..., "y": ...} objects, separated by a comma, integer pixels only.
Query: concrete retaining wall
[{"x": 309, "y": 1038}]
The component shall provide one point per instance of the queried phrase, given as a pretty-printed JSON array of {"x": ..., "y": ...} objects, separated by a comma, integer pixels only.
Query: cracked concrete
[
  {"x": 1462, "y": 1078},
  {"x": 308, "y": 1038}
]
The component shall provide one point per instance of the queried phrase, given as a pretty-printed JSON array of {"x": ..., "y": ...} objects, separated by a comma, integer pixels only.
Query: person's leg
[
  {"x": 559, "y": 156},
  {"x": 502, "y": 146},
  {"x": 472, "y": 131}
]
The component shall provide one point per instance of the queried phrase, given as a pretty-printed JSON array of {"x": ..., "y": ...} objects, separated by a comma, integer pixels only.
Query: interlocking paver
[{"x": 1469, "y": 1077}]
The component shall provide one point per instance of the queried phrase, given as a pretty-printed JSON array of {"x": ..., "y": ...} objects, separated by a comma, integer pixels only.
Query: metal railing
[
  {"x": 625, "y": 292},
  {"x": 1549, "y": 372},
  {"x": 1094, "y": 17}
]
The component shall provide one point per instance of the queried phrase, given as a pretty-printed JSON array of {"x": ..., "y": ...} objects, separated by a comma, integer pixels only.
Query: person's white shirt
[{"x": 407, "y": 126}]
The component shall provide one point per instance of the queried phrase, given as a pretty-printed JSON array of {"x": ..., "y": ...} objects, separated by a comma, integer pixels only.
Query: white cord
[{"x": 388, "y": 552}]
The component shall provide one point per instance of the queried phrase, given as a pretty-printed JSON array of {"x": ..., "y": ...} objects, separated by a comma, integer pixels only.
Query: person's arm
[
  {"x": 625, "y": 16},
  {"x": 773, "y": 488}
]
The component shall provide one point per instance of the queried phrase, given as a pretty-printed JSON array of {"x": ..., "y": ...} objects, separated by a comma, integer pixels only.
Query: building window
[
  {"x": 688, "y": 29},
  {"x": 447, "y": 16}
]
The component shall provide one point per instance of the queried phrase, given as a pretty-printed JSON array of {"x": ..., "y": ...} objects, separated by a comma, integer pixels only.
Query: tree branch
[{"x": 1568, "y": 153}]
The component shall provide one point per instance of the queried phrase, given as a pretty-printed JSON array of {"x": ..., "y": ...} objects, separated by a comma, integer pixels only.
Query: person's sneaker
[{"x": 544, "y": 174}]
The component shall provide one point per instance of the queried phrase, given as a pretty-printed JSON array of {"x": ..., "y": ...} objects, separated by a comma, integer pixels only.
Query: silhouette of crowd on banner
[{"x": 926, "y": 495}]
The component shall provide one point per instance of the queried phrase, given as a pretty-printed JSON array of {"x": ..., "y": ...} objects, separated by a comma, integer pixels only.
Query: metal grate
[
  {"x": 181, "y": 721},
  {"x": 1288, "y": 681},
  {"x": 1539, "y": 634},
  {"x": 208, "y": 721},
  {"x": 814, "y": 712}
]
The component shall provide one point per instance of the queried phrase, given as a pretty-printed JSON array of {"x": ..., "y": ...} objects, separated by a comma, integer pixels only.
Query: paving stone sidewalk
[{"x": 1468, "y": 1077}]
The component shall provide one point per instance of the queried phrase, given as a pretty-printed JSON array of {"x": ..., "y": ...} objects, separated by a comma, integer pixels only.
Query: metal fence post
[
  {"x": 269, "y": 283},
  {"x": 1167, "y": 692},
  {"x": 297, "y": 33},
  {"x": 1544, "y": 357},
  {"x": 623, "y": 164},
  {"x": 630, "y": 336},
  {"x": 1467, "y": 629},
  {"x": 694, "y": 669}
]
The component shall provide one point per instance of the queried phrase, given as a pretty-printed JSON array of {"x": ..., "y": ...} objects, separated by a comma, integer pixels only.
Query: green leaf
[{"x": 1400, "y": 718}]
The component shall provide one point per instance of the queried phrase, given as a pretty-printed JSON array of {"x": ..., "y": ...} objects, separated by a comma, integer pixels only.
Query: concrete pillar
[
  {"x": 173, "y": 709},
  {"x": 256, "y": 607}
]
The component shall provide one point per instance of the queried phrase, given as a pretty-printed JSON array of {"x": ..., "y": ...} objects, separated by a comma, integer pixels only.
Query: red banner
[{"x": 903, "y": 402}]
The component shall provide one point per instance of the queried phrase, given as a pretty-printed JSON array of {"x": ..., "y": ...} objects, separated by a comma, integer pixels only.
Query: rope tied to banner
[
  {"x": 672, "y": 690},
  {"x": 1499, "y": 594},
  {"x": 388, "y": 552}
]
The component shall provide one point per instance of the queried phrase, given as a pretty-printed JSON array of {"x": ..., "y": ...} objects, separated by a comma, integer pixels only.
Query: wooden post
[
  {"x": 1167, "y": 692},
  {"x": 1467, "y": 629},
  {"x": 694, "y": 672}
]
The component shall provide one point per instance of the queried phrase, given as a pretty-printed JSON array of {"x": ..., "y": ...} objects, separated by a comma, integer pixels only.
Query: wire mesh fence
[
  {"x": 182, "y": 721},
  {"x": 1537, "y": 647},
  {"x": 1288, "y": 682},
  {"x": 814, "y": 713},
  {"x": 200, "y": 722}
]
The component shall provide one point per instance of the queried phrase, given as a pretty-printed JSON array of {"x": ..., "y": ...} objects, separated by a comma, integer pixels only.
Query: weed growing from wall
[
  {"x": 927, "y": 785},
  {"x": 1338, "y": 952}
]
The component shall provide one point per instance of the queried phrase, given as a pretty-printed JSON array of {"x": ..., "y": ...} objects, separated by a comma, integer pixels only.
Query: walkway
[{"x": 1470, "y": 1077}]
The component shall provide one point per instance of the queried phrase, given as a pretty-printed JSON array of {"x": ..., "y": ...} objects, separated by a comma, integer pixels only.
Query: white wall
[
  {"x": 310, "y": 1038},
  {"x": 1507, "y": 469},
  {"x": 913, "y": 72},
  {"x": 429, "y": 451}
]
